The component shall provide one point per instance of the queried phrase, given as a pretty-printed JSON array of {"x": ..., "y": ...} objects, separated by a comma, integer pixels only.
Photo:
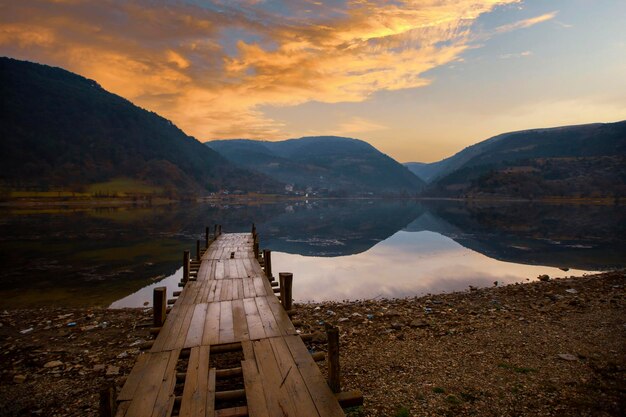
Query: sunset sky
[{"x": 420, "y": 80}]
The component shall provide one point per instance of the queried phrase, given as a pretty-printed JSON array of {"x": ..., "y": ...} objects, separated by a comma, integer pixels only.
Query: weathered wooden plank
[
  {"x": 259, "y": 287},
  {"x": 171, "y": 325},
  {"x": 321, "y": 394},
  {"x": 255, "y": 397},
  {"x": 211, "y": 333},
  {"x": 145, "y": 396},
  {"x": 282, "y": 319},
  {"x": 134, "y": 378},
  {"x": 253, "y": 319},
  {"x": 165, "y": 398},
  {"x": 276, "y": 396},
  {"x": 267, "y": 317},
  {"x": 226, "y": 322},
  {"x": 292, "y": 380},
  {"x": 198, "y": 399},
  {"x": 196, "y": 326},
  {"x": 240, "y": 324}
]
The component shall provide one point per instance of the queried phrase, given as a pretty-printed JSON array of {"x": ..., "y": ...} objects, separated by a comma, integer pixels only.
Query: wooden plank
[
  {"x": 198, "y": 399},
  {"x": 196, "y": 327},
  {"x": 267, "y": 317},
  {"x": 225, "y": 293},
  {"x": 276, "y": 396},
  {"x": 255, "y": 325},
  {"x": 292, "y": 380},
  {"x": 177, "y": 338},
  {"x": 211, "y": 333},
  {"x": 259, "y": 287},
  {"x": 284, "y": 322},
  {"x": 147, "y": 391},
  {"x": 240, "y": 324},
  {"x": 218, "y": 291},
  {"x": 165, "y": 398},
  {"x": 219, "y": 270},
  {"x": 325, "y": 401},
  {"x": 211, "y": 294},
  {"x": 171, "y": 324},
  {"x": 134, "y": 378},
  {"x": 226, "y": 322},
  {"x": 255, "y": 397},
  {"x": 248, "y": 288}
]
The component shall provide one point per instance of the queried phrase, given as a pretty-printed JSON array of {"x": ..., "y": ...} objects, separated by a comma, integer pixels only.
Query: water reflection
[
  {"x": 406, "y": 264},
  {"x": 100, "y": 255}
]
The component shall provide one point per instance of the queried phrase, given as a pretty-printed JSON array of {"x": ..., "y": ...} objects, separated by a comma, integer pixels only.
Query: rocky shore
[{"x": 552, "y": 347}]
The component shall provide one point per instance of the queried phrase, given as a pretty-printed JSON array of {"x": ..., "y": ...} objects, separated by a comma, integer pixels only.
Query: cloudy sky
[{"x": 420, "y": 80}]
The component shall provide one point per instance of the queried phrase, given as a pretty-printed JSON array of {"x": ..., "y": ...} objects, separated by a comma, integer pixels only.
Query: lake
[{"x": 337, "y": 249}]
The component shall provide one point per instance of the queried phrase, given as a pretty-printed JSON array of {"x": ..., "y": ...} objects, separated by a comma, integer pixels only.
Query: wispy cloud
[
  {"x": 526, "y": 23},
  {"x": 209, "y": 66},
  {"x": 516, "y": 55}
]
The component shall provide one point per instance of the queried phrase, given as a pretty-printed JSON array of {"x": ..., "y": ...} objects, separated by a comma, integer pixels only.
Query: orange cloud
[{"x": 210, "y": 68}]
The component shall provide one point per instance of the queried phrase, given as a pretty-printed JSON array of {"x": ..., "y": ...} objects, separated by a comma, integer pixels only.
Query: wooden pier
[{"x": 228, "y": 346}]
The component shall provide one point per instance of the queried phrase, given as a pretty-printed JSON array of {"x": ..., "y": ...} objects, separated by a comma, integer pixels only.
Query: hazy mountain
[
  {"x": 584, "y": 160},
  {"x": 60, "y": 130},
  {"x": 338, "y": 165}
]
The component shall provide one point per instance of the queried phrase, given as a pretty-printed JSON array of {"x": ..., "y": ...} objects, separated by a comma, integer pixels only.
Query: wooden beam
[
  {"x": 349, "y": 398},
  {"x": 267, "y": 263},
  {"x": 286, "y": 283},
  {"x": 206, "y": 237},
  {"x": 333, "y": 358},
  {"x": 236, "y": 394},
  {"x": 198, "y": 250},
  {"x": 107, "y": 402},
  {"x": 232, "y": 412},
  {"x": 185, "y": 266},
  {"x": 159, "y": 297}
]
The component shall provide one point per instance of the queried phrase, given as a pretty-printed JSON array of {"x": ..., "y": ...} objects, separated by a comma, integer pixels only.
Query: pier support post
[
  {"x": 267, "y": 263},
  {"x": 107, "y": 402},
  {"x": 159, "y": 304},
  {"x": 332, "y": 333},
  {"x": 198, "y": 250},
  {"x": 286, "y": 284},
  {"x": 219, "y": 230},
  {"x": 253, "y": 231},
  {"x": 215, "y": 231},
  {"x": 185, "y": 266},
  {"x": 206, "y": 237}
]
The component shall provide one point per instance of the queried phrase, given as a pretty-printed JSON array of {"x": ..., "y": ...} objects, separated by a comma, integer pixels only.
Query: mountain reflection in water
[{"x": 336, "y": 248}]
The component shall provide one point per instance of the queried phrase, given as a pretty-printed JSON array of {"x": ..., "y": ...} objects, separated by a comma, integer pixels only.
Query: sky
[{"x": 420, "y": 80}]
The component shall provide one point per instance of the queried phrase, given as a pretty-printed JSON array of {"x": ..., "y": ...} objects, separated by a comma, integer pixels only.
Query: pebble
[
  {"x": 26, "y": 331},
  {"x": 567, "y": 356},
  {"x": 112, "y": 370},
  {"x": 19, "y": 379},
  {"x": 53, "y": 364}
]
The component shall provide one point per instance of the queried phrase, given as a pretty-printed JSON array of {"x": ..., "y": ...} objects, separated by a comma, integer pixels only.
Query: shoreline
[{"x": 538, "y": 348}]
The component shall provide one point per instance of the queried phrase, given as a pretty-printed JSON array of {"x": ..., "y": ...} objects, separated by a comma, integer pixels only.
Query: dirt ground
[{"x": 553, "y": 348}]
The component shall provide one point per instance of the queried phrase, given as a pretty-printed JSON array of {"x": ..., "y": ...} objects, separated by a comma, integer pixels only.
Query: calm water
[{"x": 336, "y": 249}]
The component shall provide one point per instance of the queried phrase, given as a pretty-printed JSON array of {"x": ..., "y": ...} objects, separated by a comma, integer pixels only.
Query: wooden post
[
  {"x": 185, "y": 266},
  {"x": 253, "y": 230},
  {"x": 159, "y": 299},
  {"x": 198, "y": 250},
  {"x": 206, "y": 237},
  {"x": 107, "y": 402},
  {"x": 256, "y": 249},
  {"x": 332, "y": 333},
  {"x": 219, "y": 230},
  {"x": 267, "y": 263},
  {"x": 215, "y": 231},
  {"x": 286, "y": 283}
]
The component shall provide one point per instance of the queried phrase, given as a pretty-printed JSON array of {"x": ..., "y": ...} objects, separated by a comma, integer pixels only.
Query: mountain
[
  {"x": 63, "y": 131},
  {"x": 574, "y": 161},
  {"x": 337, "y": 165}
]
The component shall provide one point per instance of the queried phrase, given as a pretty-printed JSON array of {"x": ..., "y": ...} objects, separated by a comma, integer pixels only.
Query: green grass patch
[
  {"x": 438, "y": 390},
  {"x": 403, "y": 412},
  {"x": 518, "y": 369},
  {"x": 122, "y": 187},
  {"x": 453, "y": 399}
]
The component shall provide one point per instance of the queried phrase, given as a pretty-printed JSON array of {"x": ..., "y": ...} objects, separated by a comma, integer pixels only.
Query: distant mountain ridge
[
  {"x": 584, "y": 160},
  {"x": 338, "y": 165},
  {"x": 59, "y": 129}
]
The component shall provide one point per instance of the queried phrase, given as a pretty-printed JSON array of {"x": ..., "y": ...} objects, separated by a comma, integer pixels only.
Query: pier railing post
[
  {"x": 198, "y": 250},
  {"x": 332, "y": 333},
  {"x": 159, "y": 304},
  {"x": 267, "y": 263},
  {"x": 107, "y": 402},
  {"x": 219, "y": 229},
  {"x": 285, "y": 280},
  {"x": 206, "y": 237},
  {"x": 215, "y": 231},
  {"x": 185, "y": 266}
]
